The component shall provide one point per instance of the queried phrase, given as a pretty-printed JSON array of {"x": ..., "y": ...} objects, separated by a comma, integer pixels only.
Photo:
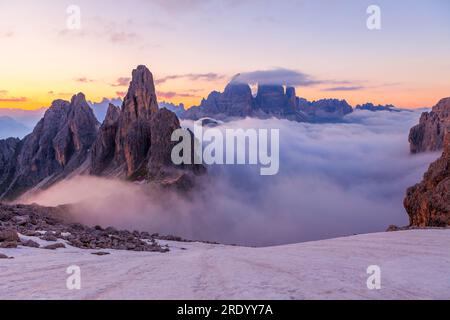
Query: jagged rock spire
[{"x": 133, "y": 138}]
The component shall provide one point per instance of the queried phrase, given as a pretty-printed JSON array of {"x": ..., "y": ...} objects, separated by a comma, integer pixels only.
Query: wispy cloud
[
  {"x": 103, "y": 29},
  {"x": 121, "y": 82},
  {"x": 344, "y": 88},
  {"x": 172, "y": 6},
  {"x": 7, "y": 34},
  {"x": 83, "y": 80},
  {"x": 13, "y": 99},
  {"x": 122, "y": 36},
  {"x": 4, "y": 97},
  {"x": 192, "y": 77},
  {"x": 172, "y": 94}
]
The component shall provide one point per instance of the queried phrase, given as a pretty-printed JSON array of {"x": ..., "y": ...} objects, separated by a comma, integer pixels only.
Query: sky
[{"x": 323, "y": 47}]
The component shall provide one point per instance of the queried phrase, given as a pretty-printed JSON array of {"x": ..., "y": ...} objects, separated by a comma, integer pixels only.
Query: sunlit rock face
[
  {"x": 59, "y": 145},
  {"x": 134, "y": 142},
  {"x": 428, "y": 203},
  {"x": 325, "y": 109},
  {"x": 237, "y": 101},
  {"x": 133, "y": 137},
  {"x": 428, "y": 135},
  {"x": 104, "y": 149}
]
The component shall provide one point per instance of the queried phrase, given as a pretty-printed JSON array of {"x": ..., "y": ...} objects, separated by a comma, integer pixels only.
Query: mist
[{"x": 334, "y": 180}]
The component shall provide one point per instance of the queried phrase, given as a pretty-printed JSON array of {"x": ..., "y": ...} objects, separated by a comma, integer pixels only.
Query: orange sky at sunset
[{"x": 193, "y": 50}]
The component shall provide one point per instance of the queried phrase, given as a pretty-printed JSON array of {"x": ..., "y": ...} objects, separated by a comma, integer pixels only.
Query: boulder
[
  {"x": 54, "y": 246},
  {"x": 9, "y": 235}
]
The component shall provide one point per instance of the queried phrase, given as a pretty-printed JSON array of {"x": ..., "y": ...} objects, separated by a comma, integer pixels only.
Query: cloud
[
  {"x": 192, "y": 77},
  {"x": 121, "y": 94},
  {"x": 344, "y": 88},
  {"x": 172, "y": 94},
  {"x": 335, "y": 180},
  {"x": 122, "y": 82},
  {"x": 83, "y": 80},
  {"x": 171, "y": 6},
  {"x": 279, "y": 76},
  {"x": 122, "y": 36},
  {"x": 99, "y": 28},
  {"x": 3, "y": 92},
  {"x": 7, "y": 34},
  {"x": 13, "y": 99},
  {"x": 186, "y": 6}
]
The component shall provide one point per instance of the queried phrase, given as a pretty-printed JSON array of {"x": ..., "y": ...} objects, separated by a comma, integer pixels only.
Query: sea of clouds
[{"x": 334, "y": 180}]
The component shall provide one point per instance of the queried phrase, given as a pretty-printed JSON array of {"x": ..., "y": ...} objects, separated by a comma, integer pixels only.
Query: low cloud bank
[{"x": 334, "y": 180}]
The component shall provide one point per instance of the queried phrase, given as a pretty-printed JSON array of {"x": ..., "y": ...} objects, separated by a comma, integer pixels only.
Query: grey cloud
[
  {"x": 121, "y": 82},
  {"x": 279, "y": 76},
  {"x": 191, "y": 76},
  {"x": 344, "y": 88}
]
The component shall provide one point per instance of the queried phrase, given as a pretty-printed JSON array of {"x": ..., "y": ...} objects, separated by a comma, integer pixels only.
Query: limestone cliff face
[
  {"x": 134, "y": 142},
  {"x": 134, "y": 136},
  {"x": 428, "y": 203},
  {"x": 237, "y": 101},
  {"x": 58, "y": 145},
  {"x": 326, "y": 109},
  {"x": 104, "y": 148},
  {"x": 428, "y": 135},
  {"x": 9, "y": 149}
]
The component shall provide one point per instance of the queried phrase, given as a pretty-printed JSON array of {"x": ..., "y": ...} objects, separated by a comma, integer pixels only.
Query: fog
[{"x": 334, "y": 180}]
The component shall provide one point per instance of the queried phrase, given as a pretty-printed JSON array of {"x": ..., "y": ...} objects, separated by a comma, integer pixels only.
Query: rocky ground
[{"x": 54, "y": 225}]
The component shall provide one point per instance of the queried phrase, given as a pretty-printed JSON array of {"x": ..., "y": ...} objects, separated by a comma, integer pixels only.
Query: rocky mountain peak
[
  {"x": 141, "y": 96},
  {"x": 428, "y": 202},
  {"x": 140, "y": 103},
  {"x": 112, "y": 114},
  {"x": 59, "y": 144},
  {"x": 428, "y": 135},
  {"x": 135, "y": 141}
]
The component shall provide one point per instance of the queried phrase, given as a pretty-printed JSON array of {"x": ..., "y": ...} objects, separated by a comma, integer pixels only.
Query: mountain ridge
[{"x": 134, "y": 142}]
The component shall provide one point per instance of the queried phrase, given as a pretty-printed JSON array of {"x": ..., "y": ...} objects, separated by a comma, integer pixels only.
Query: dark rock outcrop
[
  {"x": 104, "y": 148},
  {"x": 375, "y": 108},
  {"x": 134, "y": 135},
  {"x": 179, "y": 110},
  {"x": 135, "y": 142},
  {"x": 9, "y": 150},
  {"x": 271, "y": 101},
  {"x": 325, "y": 109},
  {"x": 237, "y": 101},
  {"x": 58, "y": 224},
  {"x": 428, "y": 203},
  {"x": 59, "y": 144},
  {"x": 428, "y": 135}
]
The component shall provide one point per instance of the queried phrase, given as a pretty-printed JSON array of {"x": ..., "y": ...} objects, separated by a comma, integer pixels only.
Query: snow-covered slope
[{"x": 414, "y": 265}]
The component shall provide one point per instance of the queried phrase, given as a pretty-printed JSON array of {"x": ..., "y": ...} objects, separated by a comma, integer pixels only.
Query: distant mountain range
[
  {"x": 179, "y": 110},
  {"x": 101, "y": 108},
  {"x": 9, "y": 127},
  {"x": 270, "y": 101}
]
